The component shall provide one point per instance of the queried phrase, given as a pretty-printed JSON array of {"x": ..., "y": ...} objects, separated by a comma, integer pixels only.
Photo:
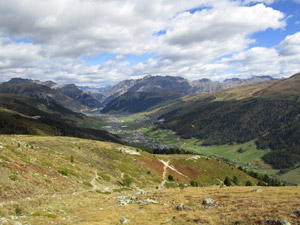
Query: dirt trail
[
  {"x": 166, "y": 166},
  {"x": 94, "y": 182}
]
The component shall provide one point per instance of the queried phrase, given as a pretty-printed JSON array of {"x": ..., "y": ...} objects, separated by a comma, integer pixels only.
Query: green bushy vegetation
[
  {"x": 264, "y": 179},
  {"x": 127, "y": 181},
  {"x": 169, "y": 151},
  {"x": 227, "y": 181},
  {"x": 273, "y": 123}
]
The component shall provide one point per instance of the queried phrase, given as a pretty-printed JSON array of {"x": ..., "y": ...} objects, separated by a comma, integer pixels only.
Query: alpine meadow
[{"x": 161, "y": 112}]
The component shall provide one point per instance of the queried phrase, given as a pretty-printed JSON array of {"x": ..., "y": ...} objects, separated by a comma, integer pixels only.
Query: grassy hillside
[
  {"x": 24, "y": 115},
  {"x": 60, "y": 163},
  {"x": 268, "y": 113},
  {"x": 62, "y": 180}
]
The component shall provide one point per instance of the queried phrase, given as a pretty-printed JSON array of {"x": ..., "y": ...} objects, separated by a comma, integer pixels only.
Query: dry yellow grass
[{"x": 235, "y": 205}]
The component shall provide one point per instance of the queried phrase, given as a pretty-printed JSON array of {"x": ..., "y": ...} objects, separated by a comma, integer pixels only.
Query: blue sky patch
[
  {"x": 194, "y": 10},
  {"x": 160, "y": 33},
  {"x": 21, "y": 40}
]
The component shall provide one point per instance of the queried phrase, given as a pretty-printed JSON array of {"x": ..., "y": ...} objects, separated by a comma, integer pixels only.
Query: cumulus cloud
[
  {"x": 291, "y": 45},
  {"x": 185, "y": 38},
  {"x": 268, "y": 61},
  {"x": 14, "y": 55}
]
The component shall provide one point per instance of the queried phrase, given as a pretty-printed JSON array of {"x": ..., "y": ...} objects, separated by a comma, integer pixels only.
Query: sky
[{"x": 102, "y": 42}]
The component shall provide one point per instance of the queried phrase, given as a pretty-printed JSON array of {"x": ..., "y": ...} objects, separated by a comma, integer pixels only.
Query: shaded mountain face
[
  {"x": 269, "y": 115},
  {"x": 68, "y": 95},
  {"x": 134, "y": 102},
  {"x": 73, "y": 92},
  {"x": 36, "y": 90},
  {"x": 147, "y": 84},
  {"x": 36, "y": 116},
  {"x": 174, "y": 84}
]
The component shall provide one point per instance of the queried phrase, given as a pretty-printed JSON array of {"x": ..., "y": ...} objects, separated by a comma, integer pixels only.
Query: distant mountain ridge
[
  {"x": 83, "y": 98},
  {"x": 36, "y": 90},
  {"x": 73, "y": 92},
  {"x": 176, "y": 84},
  {"x": 68, "y": 96}
]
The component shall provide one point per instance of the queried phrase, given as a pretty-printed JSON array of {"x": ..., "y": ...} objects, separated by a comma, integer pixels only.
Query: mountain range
[
  {"x": 68, "y": 96},
  {"x": 84, "y": 98},
  {"x": 176, "y": 84},
  {"x": 155, "y": 84}
]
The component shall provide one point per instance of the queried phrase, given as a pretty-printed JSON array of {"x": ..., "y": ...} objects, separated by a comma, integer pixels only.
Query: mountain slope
[
  {"x": 73, "y": 92},
  {"x": 270, "y": 115},
  {"x": 25, "y": 115},
  {"x": 67, "y": 95},
  {"x": 71, "y": 164},
  {"x": 36, "y": 90},
  {"x": 134, "y": 102}
]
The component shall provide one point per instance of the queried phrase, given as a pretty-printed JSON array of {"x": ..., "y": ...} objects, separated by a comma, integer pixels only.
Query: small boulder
[
  {"x": 208, "y": 201},
  {"x": 277, "y": 222},
  {"x": 167, "y": 221},
  {"x": 149, "y": 200},
  {"x": 297, "y": 212},
  {"x": 180, "y": 207},
  {"x": 256, "y": 190},
  {"x": 124, "y": 220}
]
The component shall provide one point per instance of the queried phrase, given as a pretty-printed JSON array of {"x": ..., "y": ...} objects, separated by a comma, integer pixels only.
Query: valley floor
[{"x": 233, "y": 205}]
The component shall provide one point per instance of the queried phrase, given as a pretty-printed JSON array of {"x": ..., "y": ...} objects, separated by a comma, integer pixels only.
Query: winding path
[
  {"x": 94, "y": 182},
  {"x": 166, "y": 166}
]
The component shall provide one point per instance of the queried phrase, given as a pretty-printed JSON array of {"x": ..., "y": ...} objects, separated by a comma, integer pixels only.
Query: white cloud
[
  {"x": 64, "y": 31},
  {"x": 256, "y": 61},
  {"x": 291, "y": 45},
  {"x": 280, "y": 62},
  {"x": 14, "y": 55}
]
